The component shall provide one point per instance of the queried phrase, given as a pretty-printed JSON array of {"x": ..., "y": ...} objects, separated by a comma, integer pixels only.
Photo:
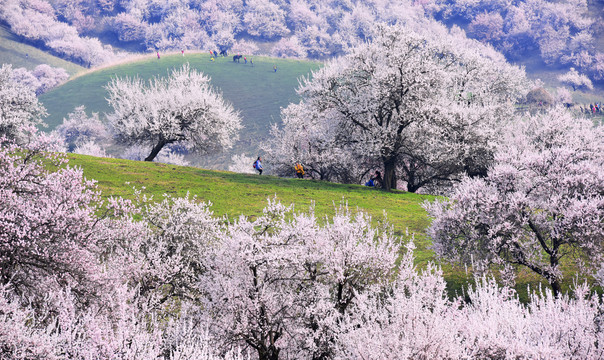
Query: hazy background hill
[{"x": 559, "y": 33}]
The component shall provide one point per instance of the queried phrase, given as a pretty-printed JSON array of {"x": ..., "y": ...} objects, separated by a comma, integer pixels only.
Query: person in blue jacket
[
  {"x": 376, "y": 180},
  {"x": 258, "y": 165}
]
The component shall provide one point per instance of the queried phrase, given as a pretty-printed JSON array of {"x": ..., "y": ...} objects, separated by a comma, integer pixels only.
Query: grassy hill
[
  {"x": 256, "y": 91},
  {"x": 234, "y": 194},
  {"x": 14, "y": 52}
]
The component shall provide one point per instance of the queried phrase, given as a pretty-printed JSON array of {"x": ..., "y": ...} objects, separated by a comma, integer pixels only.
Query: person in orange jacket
[{"x": 299, "y": 170}]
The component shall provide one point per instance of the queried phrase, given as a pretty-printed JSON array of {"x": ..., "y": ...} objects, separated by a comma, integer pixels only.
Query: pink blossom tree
[
  {"x": 487, "y": 27},
  {"x": 129, "y": 26},
  {"x": 264, "y": 19},
  {"x": 35, "y": 21},
  {"x": 289, "y": 48},
  {"x": 279, "y": 286},
  {"x": 540, "y": 203},
  {"x": 49, "y": 77},
  {"x": 408, "y": 317},
  {"x": 53, "y": 230},
  {"x": 171, "y": 253}
]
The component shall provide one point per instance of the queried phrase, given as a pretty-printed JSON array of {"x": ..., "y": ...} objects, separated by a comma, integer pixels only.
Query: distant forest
[{"x": 93, "y": 32}]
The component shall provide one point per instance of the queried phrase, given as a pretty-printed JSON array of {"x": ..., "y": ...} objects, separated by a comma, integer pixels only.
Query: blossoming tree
[
  {"x": 182, "y": 108},
  {"x": 541, "y": 202},
  {"x": 19, "y": 107},
  {"x": 404, "y": 88}
]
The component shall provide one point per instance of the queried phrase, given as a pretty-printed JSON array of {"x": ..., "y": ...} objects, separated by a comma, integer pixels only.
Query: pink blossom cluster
[
  {"x": 37, "y": 22},
  {"x": 43, "y": 77},
  {"x": 542, "y": 202},
  {"x": 92, "y": 278}
]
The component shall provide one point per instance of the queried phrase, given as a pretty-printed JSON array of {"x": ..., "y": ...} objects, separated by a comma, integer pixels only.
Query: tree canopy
[
  {"x": 182, "y": 108},
  {"x": 541, "y": 202},
  {"x": 418, "y": 103},
  {"x": 19, "y": 106}
]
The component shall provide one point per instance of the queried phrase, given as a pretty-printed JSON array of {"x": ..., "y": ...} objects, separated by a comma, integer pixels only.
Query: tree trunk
[
  {"x": 412, "y": 188},
  {"x": 554, "y": 261},
  {"x": 389, "y": 182},
  {"x": 556, "y": 288},
  {"x": 411, "y": 185},
  {"x": 270, "y": 353},
  {"x": 156, "y": 149}
]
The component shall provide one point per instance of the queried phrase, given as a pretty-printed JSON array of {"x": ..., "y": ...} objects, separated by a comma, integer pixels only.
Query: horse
[{"x": 236, "y": 58}]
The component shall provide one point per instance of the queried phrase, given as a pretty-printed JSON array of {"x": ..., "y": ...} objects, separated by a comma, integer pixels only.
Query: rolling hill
[
  {"x": 257, "y": 91},
  {"x": 15, "y": 52}
]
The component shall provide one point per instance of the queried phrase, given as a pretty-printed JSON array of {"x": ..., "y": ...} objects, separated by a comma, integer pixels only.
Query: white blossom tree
[
  {"x": 79, "y": 128},
  {"x": 404, "y": 87},
  {"x": 264, "y": 19},
  {"x": 541, "y": 202},
  {"x": 241, "y": 163},
  {"x": 563, "y": 96},
  {"x": 576, "y": 80},
  {"x": 182, "y": 108},
  {"x": 49, "y": 77},
  {"x": 310, "y": 139},
  {"x": 19, "y": 106}
]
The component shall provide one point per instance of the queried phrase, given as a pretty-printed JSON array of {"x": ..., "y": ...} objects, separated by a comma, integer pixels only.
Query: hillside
[
  {"x": 256, "y": 91},
  {"x": 562, "y": 32},
  {"x": 13, "y": 51},
  {"x": 234, "y": 194}
]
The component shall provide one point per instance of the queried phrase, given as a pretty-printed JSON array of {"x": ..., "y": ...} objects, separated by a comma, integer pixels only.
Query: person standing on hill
[
  {"x": 258, "y": 165},
  {"x": 299, "y": 170},
  {"x": 275, "y": 68},
  {"x": 158, "y": 55}
]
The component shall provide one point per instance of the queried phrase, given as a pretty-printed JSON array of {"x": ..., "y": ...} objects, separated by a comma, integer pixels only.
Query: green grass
[
  {"x": 256, "y": 91},
  {"x": 14, "y": 52},
  {"x": 234, "y": 194}
]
